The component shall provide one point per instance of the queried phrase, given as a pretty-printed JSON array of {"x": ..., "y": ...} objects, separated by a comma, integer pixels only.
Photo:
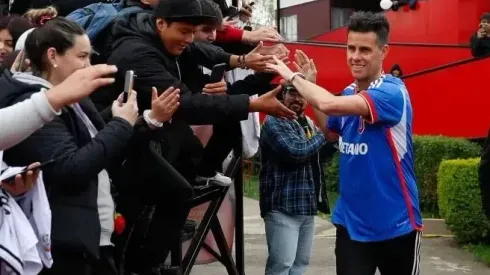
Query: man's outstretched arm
[
  {"x": 328, "y": 103},
  {"x": 318, "y": 97}
]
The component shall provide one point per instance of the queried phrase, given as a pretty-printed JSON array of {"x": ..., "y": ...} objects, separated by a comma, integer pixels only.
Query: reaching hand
[
  {"x": 218, "y": 88},
  {"x": 127, "y": 111},
  {"x": 23, "y": 182},
  {"x": 17, "y": 67},
  {"x": 280, "y": 68},
  {"x": 305, "y": 66},
  {"x": 80, "y": 84},
  {"x": 481, "y": 33},
  {"x": 269, "y": 104},
  {"x": 164, "y": 106},
  {"x": 256, "y": 61},
  {"x": 229, "y": 23},
  {"x": 265, "y": 34},
  {"x": 277, "y": 49},
  {"x": 245, "y": 13}
]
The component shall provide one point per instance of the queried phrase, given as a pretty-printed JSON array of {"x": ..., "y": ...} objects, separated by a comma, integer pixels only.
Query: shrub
[
  {"x": 429, "y": 152},
  {"x": 332, "y": 173},
  {"x": 460, "y": 199}
]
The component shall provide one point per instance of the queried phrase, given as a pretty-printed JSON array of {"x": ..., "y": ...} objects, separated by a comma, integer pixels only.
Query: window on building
[
  {"x": 340, "y": 17},
  {"x": 289, "y": 27}
]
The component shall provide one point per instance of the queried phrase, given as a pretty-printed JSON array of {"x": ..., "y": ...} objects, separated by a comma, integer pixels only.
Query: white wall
[{"x": 290, "y": 3}]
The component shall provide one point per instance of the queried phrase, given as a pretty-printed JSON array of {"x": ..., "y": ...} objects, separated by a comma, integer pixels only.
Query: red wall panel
[
  {"x": 452, "y": 101},
  {"x": 417, "y": 58},
  {"x": 338, "y": 35},
  {"x": 436, "y": 21},
  {"x": 449, "y": 102},
  {"x": 331, "y": 60}
]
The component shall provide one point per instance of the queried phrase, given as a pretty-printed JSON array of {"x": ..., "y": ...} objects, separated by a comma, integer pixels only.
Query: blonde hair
[{"x": 37, "y": 16}]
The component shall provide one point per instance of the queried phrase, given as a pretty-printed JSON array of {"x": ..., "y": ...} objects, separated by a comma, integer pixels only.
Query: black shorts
[{"x": 399, "y": 256}]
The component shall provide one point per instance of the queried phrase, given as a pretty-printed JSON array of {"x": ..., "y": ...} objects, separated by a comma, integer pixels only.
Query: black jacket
[
  {"x": 484, "y": 176},
  {"x": 138, "y": 47},
  {"x": 480, "y": 47},
  {"x": 71, "y": 182}
]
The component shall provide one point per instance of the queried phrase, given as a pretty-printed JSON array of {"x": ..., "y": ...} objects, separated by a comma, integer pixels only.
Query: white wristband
[{"x": 150, "y": 121}]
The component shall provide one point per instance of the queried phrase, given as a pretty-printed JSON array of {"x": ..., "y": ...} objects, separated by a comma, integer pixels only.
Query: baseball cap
[{"x": 185, "y": 9}]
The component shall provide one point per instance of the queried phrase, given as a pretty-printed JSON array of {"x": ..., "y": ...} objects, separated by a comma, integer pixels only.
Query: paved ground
[{"x": 439, "y": 255}]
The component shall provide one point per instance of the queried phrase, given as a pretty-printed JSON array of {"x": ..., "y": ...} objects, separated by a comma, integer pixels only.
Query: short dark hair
[
  {"x": 370, "y": 22},
  {"x": 15, "y": 25},
  {"x": 58, "y": 33},
  {"x": 485, "y": 16}
]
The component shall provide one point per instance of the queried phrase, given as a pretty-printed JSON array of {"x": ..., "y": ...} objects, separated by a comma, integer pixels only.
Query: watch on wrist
[
  {"x": 150, "y": 121},
  {"x": 295, "y": 75}
]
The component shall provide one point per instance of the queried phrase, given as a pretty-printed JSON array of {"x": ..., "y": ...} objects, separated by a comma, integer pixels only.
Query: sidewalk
[{"x": 440, "y": 256}]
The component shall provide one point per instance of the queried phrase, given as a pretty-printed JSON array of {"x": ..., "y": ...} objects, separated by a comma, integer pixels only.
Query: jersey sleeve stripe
[
  {"x": 373, "y": 115},
  {"x": 11, "y": 260},
  {"x": 403, "y": 183}
]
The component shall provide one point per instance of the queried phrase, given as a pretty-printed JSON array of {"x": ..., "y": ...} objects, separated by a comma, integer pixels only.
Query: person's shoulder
[
  {"x": 388, "y": 84},
  {"x": 133, "y": 51},
  {"x": 134, "y": 45},
  {"x": 271, "y": 121},
  {"x": 349, "y": 89}
]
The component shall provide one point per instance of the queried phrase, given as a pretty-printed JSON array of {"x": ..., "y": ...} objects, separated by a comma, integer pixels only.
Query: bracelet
[
  {"x": 295, "y": 75},
  {"x": 150, "y": 121},
  {"x": 241, "y": 62}
]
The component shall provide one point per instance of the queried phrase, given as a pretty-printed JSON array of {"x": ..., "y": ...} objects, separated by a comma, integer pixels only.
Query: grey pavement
[{"x": 440, "y": 256}]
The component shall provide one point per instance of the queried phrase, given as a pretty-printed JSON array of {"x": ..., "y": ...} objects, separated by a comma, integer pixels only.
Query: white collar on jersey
[{"x": 373, "y": 84}]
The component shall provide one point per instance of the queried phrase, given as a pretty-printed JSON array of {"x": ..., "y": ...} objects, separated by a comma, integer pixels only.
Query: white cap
[{"x": 22, "y": 40}]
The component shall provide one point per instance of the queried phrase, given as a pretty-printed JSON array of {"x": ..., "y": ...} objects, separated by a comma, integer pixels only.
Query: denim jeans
[{"x": 289, "y": 241}]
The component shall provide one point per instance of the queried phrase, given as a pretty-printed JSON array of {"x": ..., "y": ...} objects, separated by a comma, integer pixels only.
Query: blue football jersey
[{"x": 378, "y": 191}]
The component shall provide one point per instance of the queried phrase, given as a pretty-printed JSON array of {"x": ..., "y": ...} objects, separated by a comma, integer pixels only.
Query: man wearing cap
[
  {"x": 292, "y": 181},
  {"x": 159, "y": 47},
  {"x": 154, "y": 46}
]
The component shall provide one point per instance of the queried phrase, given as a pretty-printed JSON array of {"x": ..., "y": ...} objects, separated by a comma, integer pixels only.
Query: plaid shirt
[{"x": 286, "y": 178}]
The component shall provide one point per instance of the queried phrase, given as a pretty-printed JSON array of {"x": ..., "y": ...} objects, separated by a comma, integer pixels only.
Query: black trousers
[
  {"x": 76, "y": 263},
  {"x": 225, "y": 137},
  {"x": 399, "y": 256}
]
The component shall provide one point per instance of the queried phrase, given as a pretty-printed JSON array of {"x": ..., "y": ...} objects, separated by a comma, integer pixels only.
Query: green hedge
[
  {"x": 460, "y": 199},
  {"x": 429, "y": 152}
]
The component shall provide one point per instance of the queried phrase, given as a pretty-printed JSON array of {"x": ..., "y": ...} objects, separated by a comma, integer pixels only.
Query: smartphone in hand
[
  {"x": 8, "y": 176},
  {"x": 128, "y": 84},
  {"x": 217, "y": 73}
]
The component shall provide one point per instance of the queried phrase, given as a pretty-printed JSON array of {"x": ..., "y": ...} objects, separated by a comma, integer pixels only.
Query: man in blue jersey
[{"x": 377, "y": 214}]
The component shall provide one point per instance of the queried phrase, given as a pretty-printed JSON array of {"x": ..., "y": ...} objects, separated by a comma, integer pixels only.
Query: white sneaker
[{"x": 218, "y": 179}]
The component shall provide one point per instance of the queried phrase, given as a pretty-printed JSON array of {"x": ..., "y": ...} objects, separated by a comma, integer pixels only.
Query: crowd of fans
[
  {"x": 102, "y": 154},
  {"x": 79, "y": 150}
]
